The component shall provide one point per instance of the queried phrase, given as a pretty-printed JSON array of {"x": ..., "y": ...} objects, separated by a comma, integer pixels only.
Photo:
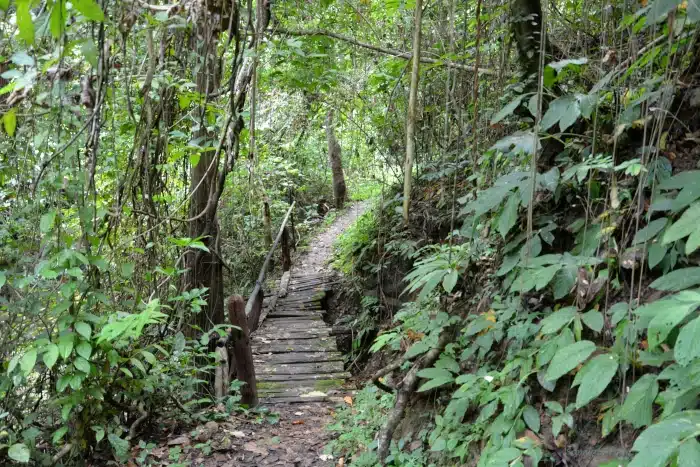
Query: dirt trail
[{"x": 287, "y": 435}]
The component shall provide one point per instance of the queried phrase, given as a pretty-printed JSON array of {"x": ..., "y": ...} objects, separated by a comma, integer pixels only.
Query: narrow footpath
[{"x": 299, "y": 372}]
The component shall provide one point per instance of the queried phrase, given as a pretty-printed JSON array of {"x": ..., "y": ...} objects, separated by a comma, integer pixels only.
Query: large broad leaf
[
  {"x": 557, "y": 320},
  {"x": 594, "y": 377},
  {"x": 65, "y": 344},
  {"x": 693, "y": 10},
  {"x": 509, "y": 216},
  {"x": 678, "y": 280},
  {"x": 89, "y": 9},
  {"x": 50, "y": 355},
  {"x": 594, "y": 320},
  {"x": 564, "y": 110},
  {"x": 19, "y": 453},
  {"x": 637, "y": 408},
  {"x": 663, "y": 322},
  {"x": 522, "y": 141},
  {"x": 659, "y": 9},
  {"x": 532, "y": 418},
  {"x": 650, "y": 231},
  {"x": 687, "y": 346},
  {"x": 488, "y": 199},
  {"x": 568, "y": 358},
  {"x": 693, "y": 242},
  {"x": 660, "y": 441},
  {"x": 684, "y": 226},
  {"x": 28, "y": 361},
  {"x": 507, "y": 110},
  {"x": 9, "y": 121},
  {"x": 24, "y": 21}
]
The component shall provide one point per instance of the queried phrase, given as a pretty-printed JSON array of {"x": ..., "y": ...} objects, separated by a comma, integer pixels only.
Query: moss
[
  {"x": 326, "y": 384},
  {"x": 269, "y": 385}
]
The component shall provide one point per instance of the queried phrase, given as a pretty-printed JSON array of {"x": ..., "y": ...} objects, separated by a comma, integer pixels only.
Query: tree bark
[
  {"x": 411, "y": 117},
  {"x": 205, "y": 269},
  {"x": 340, "y": 191},
  {"x": 242, "y": 351}
]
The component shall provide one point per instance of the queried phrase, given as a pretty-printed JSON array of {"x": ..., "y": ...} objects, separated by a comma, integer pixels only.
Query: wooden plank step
[
  {"x": 312, "y": 384},
  {"x": 298, "y": 321},
  {"x": 298, "y": 357},
  {"x": 311, "y": 368},
  {"x": 273, "y": 335},
  {"x": 293, "y": 400},
  {"x": 299, "y": 345},
  {"x": 298, "y": 377},
  {"x": 309, "y": 388},
  {"x": 294, "y": 314}
]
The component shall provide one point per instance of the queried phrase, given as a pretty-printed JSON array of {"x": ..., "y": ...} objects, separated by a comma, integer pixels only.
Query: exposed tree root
[{"x": 406, "y": 388}]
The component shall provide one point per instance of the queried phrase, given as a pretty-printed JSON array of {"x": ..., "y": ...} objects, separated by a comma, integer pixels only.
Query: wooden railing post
[
  {"x": 242, "y": 351},
  {"x": 286, "y": 256}
]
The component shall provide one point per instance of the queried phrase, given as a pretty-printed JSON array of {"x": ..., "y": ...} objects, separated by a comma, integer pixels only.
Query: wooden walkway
[{"x": 294, "y": 351}]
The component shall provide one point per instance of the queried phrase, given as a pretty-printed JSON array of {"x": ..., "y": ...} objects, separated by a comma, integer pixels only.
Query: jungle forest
[{"x": 350, "y": 233}]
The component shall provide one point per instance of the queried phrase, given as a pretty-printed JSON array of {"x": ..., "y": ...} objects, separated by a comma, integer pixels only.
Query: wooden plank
[
  {"x": 298, "y": 321},
  {"x": 300, "y": 368},
  {"x": 298, "y": 357},
  {"x": 314, "y": 376},
  {"x": 294, "y": 400},
  {"x": 272, "y": 335},
  {"x": 309, "y": 384},
  {"x": 296, "y": 345},
  {"x": 294, "y": 314}
]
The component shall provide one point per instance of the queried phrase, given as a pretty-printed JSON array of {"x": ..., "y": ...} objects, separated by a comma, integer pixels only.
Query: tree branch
[{"x": 382, "y": 50}]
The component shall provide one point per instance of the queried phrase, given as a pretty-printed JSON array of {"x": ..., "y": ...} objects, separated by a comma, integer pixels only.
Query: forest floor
[{"x": 279, "y": 434}]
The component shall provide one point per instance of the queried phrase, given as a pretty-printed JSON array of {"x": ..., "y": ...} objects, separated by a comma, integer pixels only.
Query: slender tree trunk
[
  {"x": 336, "y": 162},
  {"x": 205, "y": 269},
  {"x": 411, "y": 117}
]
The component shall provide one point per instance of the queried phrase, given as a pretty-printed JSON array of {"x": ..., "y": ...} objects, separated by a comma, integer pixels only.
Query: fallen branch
[
  {"x": 406, "y": 388},
  {"x": 60, "y": 454},
  {"x": 383, "y": 50},
  {"x": 137, "y": 422}
]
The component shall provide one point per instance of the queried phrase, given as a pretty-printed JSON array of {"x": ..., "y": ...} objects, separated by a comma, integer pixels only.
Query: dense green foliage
[{"x": 553, "y": 230}]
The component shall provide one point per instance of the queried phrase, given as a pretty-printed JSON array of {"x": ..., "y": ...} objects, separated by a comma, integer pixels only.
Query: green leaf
[
  {"x": 693, "y": 241},
  {"x": 657, "y": 252},
  {"x": 439, "y": 445},
  {"x": 50, "y": 355},
  {"x": 138, "y": 364},
  {"x": 84, "y": 349},
  {"x": 28, "y": 361},
  {"x": 81, "y": 364},
  {"x": 687, "y": 346},
  {"x": 450, "y": 280},
  {"x": 4, "y": 5},
  {"x": 689, "y": 452},
  {"x": 59, "y": 14},
  {"x": 594, "y": 377},
  {"x": 509, "y": 216},
  {"x": 194, "y": 159},
  {"x": 594, "y": 320},
  {"x": 650, "y": 231},
  {"x": 436, "y": 382},
  {"x": 19, "y": 453},
  {"x": 432, "y": 373},
  {"x": 532, "y": 418},
  {"x": 89, "y": 9},
  {"x": 677, "y": 280},
  {"x": 684, "y": 226},
  {"x": 637, "y": 408},
  {"x": 663, "y": 323},
  {"x": 557, "y": 320},
  {"x": 660, "y": 9},
  {"x": 83, "y": 329},
  {"x": 3, "y": 279},
  {"x": 24, "y": 21},
  {"x": 503, "y": 457},
  {"x": 693, "y": 10},
  {"x": 564, "y": 110},
  {"x": 9, "y": 120},
  {"x": 568, "y": 358},
  {"x": 564, "y": 281},
  {"x": 65, "y": 344},
  {"x": 127, "y": 270},
  {"x": 90, "y": 52},
  {"x": 58, "y": 434},
  {"x": 507, "y": 110},
  {"x": 47, "y": 221}
]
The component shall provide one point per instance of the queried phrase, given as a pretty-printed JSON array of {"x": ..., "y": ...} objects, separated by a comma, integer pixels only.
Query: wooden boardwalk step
[{"x": 295, "y": 355}]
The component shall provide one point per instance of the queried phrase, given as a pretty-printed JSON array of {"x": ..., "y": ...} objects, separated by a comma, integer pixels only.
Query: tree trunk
[
  {"x": 205, "y": 269},
  {"x": 336, "y": 162},
  {"x": 411, "y": 117},
  {"x": 527, "y": 27}
]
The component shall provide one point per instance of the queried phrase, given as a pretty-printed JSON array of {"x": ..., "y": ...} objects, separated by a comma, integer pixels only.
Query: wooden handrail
[{"x": 253, "y": 309}]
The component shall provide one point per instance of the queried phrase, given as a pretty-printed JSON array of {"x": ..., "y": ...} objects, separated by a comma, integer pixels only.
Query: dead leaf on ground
[
  {"x": 298, "y": 422},
  {"x": 253, "y": 447},
  {"x": 180, "y": 440},
  {"x": 348, "y": 400}
]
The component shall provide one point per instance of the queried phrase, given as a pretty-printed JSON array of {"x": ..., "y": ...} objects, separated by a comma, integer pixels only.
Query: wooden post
[
  {"x": 256, "y": 309},
  {"x": 221, "y": 379},
  {"x": 242, "y": 351},
  {"x": 286, "y": 257}
]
